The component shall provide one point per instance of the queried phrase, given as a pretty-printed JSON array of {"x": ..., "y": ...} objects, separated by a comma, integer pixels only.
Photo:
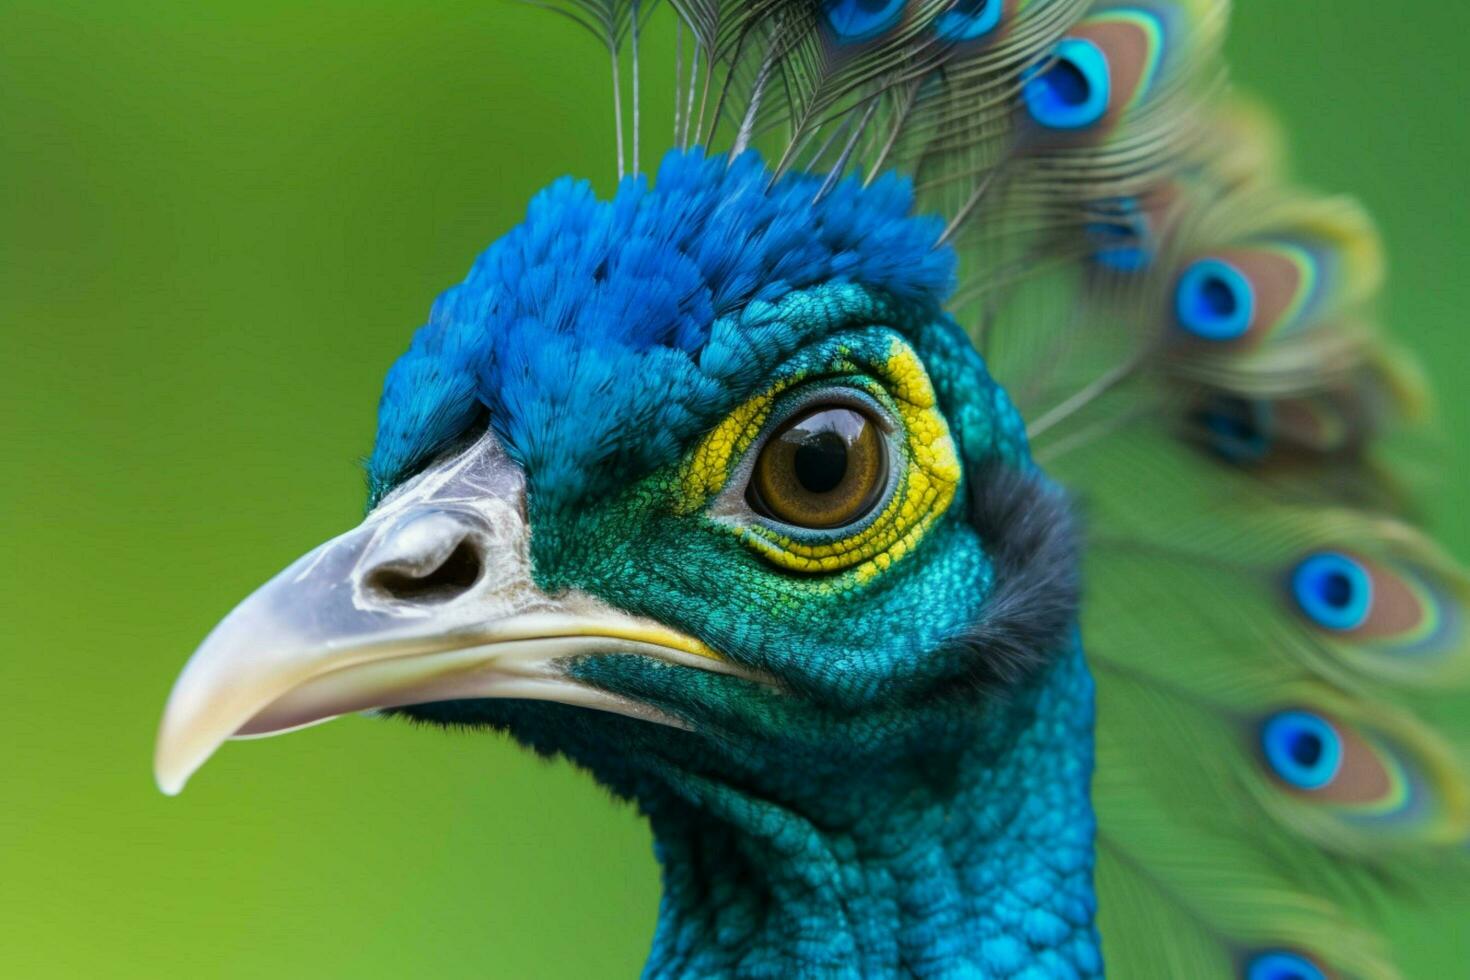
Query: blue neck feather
[{"x": 972, "y": 859}]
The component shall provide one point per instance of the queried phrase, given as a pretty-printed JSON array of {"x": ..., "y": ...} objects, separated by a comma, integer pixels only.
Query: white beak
[{"x": 429, "y": 599}]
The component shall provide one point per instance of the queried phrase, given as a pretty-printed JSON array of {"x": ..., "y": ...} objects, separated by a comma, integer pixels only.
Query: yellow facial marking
[
  {"x": 709, "y": 466},
  {"x": 926, "y": 465}
]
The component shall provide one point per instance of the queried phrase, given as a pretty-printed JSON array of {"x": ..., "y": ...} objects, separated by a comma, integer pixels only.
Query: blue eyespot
[
  {"x": 1333, "y": 590},
  {"x": 1282, "y": 966},
  {"x": 1120, "y": 236},
  {"x": 1238, "y": 430},
  {"x": 969, "y": 19},
  {"x": 1071, "y": 92},
  {"x": 1120, "y": 256},
  {"x": 861, "y": 20},
  {"x": 1303, "y": 749},
  {"x": 1214, "y": 300}
]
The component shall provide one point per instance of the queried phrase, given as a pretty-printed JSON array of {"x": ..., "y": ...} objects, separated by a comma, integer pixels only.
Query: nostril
[{"x": 449, "y": 579}]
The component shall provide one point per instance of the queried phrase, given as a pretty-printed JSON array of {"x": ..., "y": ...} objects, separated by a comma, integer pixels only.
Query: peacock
[{"x": 955, "y": 498}]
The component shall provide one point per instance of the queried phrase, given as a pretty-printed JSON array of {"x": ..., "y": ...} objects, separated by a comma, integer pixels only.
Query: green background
[{"x": 218, "y": 225}]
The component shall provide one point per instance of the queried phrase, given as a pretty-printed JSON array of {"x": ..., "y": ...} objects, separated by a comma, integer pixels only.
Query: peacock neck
[{"x": 973, "y": 858}]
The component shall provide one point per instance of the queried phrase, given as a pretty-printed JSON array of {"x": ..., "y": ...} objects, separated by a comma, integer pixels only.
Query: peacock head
[{"x": 708, "y": 457}]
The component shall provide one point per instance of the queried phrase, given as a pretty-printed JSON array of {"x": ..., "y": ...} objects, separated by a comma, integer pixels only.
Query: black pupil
[
  {"x": 1306, "y": 749},
  {"x": 1337, "y": 590},
  {"x": 1218, "y": 297},
  {"x": 1068, "y": 83},
  {"x": 821, "y": 461}
]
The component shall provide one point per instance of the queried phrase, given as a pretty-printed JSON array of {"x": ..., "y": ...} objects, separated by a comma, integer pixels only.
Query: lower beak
[{"x": 430, "y": 599}]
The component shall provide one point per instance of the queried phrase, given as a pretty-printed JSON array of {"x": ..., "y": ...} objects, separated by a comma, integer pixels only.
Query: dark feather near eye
[{"x": 1030, "y": 532}]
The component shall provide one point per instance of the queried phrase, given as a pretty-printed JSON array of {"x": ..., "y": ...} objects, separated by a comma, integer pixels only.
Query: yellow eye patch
[{"x": 926, "y": 469}]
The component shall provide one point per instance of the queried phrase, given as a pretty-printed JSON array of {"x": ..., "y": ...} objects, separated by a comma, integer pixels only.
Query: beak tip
[
  {"x": 172, "y": 764},
  {"x": 170, "y": 779}
]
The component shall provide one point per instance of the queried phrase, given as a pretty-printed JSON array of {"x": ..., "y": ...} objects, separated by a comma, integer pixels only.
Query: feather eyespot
[
  {"x": 1359, "y": 774},
  {"x": 1237, "y": 430},
  {"x": 1333, "y": 591},
  {"x": 1119, "y": 235},
  {"x": 825, "y": 468},
  {"x": 1299, "y": 277},
  {"x": 1303, "y": 749},
  {"x": 861, "y": 20},
  {"x": 1214, "y": 301},
  {"x": 1072, "y": 91},
  {"x": 969, "y": 20},
  {"x": 1282, "y": 965}
]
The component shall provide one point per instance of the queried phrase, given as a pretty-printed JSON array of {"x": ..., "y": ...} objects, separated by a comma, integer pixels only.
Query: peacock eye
[{"x": 824, "y": 468}]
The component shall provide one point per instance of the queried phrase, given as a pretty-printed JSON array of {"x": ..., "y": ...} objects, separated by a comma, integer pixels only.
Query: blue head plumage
[{"x": 596, "y": 319}]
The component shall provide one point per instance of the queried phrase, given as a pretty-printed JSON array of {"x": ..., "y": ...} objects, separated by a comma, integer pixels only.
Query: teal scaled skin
[
  {"x": 909, "y": 792},
  {"x": 877, "y": 812}
]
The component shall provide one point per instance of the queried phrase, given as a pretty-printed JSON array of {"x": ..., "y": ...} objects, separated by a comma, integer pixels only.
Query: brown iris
[{"x": 822, "y": 469}]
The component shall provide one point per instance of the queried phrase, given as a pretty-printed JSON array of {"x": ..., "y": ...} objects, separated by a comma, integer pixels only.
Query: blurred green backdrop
[{"x": 218, "y": 224}]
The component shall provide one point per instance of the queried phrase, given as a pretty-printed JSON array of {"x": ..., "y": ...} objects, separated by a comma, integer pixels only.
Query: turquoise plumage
[{"x": 949, "y": 500}]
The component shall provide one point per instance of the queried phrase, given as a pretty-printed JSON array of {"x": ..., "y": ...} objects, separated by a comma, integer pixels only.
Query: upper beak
[{"x": 430, "y": 599}]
